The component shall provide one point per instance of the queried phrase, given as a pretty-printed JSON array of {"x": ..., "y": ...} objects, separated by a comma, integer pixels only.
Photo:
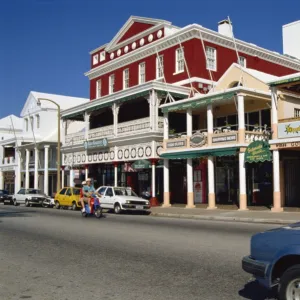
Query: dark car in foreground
[
  {"x": 3, "y": 196},
  {"x": 274, "y": 260}
]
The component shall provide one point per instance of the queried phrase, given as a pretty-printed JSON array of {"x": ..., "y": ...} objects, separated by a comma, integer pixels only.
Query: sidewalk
[{"x": 248, "y": 216}]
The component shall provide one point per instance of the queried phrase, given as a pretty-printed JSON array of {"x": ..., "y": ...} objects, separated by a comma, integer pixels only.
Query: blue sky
[{"x": 44, "y": 44}]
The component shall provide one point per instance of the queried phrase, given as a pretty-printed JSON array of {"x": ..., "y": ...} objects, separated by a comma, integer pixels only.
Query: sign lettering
[
  {"x": 176, "y": 144},
  {"x": 224, "y": 138}
]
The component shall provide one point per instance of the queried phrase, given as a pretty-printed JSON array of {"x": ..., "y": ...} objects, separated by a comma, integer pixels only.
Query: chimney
[
  {"x": 291, "y": 39},
  {"x": 225, "y": 28}
]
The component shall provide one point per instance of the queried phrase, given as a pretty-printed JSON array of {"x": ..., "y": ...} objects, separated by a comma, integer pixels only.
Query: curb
[{"x": 228, "y": 219}]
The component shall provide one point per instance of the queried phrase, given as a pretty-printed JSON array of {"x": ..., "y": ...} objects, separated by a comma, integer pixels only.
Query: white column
[
  {"x": 36, "y": 167},
  {"x": 17, "y": 169},
  {"x": 190, "y": 190},
  {"x": 157, "y": 101},
  {"x": 62, "y": 177},
  {"x": 86, "y": 172},
  {"x": 276, "y": 183},
  {"x": 166, "y": 184},
  {"x": 27, "y": 169},
  {"x": 189, "y": 122},
  {"x": 166, "y": 126},
  {"x": 116, "y": 173},
  {"x": 87, "y": 124},
  {"x": 153, "y": 180},
  {"x": 1, "y": 180},
  {"x": 241, "y": 118},
  {"x": 46, "y": 170},
  {"x": 242, "y": 181},
  {"x": 210, "y": 123},
  {"x": 72, "y": 178},
  {"x": 151, "y": 110},
  {"x": 211, "y": 183},
  {"x": 115, "y": 110},
  {"x": 274, "y": 112}
]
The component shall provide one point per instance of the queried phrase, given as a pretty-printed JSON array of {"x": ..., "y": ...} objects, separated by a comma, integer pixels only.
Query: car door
[
  {"x": 20, "y": 196},
  {"x": 102, "y": 199},
  {"x": 109, "y": 197},
  {"x": 67, "y": 199},
  {"x": 61, "y": 196}
]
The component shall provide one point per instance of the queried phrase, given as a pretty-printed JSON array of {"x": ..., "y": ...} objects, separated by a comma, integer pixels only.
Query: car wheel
[
  {"x": 289, "y": 284},
  {"x": 15, "y": 202},
  {"x": 26, "y": 203},
  {"x": 57, "y": 205},
  {"x": 117, "y": 208},
  {"x": 74, "y": 206}
]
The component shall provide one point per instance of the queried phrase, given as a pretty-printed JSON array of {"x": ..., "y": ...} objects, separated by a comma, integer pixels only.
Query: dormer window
[
  {"x": 95, "y": 59},
  {"x": 98, "y": 89},
  {"x": 102, "y": 56}
]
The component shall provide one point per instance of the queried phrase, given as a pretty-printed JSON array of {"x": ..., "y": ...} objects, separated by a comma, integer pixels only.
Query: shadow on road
[
  {"x": 12, "y": 214},
  {"x": 254, "y": 291}
]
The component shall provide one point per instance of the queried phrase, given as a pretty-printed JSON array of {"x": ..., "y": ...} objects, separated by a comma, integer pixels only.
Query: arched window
[{"x": 235, "y": 84}]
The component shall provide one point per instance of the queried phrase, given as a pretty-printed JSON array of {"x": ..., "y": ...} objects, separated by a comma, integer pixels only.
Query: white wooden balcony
[
  {"x": 123, "y": 129},
  {"x": 7, "y": 161}
]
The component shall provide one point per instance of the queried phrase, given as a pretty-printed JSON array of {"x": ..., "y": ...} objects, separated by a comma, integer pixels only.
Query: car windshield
[
  {"x": 33, "y": 191},
  {"x": 76, "y": 191},
  {"x": 125, "y": 192},
  {"x": 3, "y": 192}
]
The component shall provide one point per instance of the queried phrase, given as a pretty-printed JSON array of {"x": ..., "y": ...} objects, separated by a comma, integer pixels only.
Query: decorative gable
[{"x": 134, "y": 29}]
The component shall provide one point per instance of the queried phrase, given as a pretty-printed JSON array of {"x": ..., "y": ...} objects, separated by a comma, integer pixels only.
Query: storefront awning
[
  {"x": 200, "y": 102},
  {"x": 258, "y": 151},
  {"x": 201, "y": 153}
]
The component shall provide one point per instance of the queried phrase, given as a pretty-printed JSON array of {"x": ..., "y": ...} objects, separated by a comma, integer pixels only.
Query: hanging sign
[
  {"x": 224, "y": 138},
  {"x": 102, "y": 143},
  {"x": 258, "y": 151},
  {"x": 198, "y": 139},
  {"x": 141, "y": 164}
]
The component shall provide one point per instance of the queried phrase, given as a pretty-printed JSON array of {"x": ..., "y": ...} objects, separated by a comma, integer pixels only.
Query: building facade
[
  {"x": 147, "y": 64},
  {"x": 29, "y": 152}
]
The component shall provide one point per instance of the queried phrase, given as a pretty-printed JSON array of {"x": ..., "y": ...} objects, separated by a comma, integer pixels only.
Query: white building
[{"x": 28, "y": 145}]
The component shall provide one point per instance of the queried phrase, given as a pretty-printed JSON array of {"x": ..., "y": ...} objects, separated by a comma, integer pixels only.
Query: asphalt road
[{"x": 57, "y": 254}]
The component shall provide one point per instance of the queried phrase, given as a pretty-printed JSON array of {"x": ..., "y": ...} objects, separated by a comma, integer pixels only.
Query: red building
[{"x": 153, "y": 58}]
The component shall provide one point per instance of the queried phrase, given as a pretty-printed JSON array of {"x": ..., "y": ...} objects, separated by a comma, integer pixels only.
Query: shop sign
[
  {"x": 198, "y": 139},
  {"x": 224, "y": 138},
  {"x": 288, "y": 145},
  {"x": 102, "y": 143},
  {"x": 258, "y": 151},
  {"x": 10, "y": 168},
  {"x": 176, "y": 144},
  {"x": 290, "y": 129},
  {"x": 141, "y": 164}
]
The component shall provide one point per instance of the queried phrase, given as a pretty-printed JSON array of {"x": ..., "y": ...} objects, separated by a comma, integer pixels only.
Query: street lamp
[{"x": 58, "y": 138}]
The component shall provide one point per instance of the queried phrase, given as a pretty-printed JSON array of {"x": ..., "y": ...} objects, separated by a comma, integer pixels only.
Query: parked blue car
[{"x": 274, "y": 260}]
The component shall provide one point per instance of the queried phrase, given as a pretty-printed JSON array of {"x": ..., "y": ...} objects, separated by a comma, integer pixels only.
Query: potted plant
[
  {"x": 172, "y": 131},
  {"x": 228, "y": 126},
  {"x": 256, "y": 127}
]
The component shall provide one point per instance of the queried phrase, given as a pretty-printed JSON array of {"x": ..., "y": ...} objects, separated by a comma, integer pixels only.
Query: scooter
[{"x": 95, "y": 208}]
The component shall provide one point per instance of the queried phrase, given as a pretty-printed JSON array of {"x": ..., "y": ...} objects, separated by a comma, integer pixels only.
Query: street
[{"x": 57, "y": 254}]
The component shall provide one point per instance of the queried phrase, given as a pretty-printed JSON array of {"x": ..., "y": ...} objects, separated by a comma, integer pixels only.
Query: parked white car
[
  {"x": 121, "y": 198},
  {"x": 29, "y": 197}
]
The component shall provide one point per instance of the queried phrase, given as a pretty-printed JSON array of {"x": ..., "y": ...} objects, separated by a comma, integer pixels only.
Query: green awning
[
  {"x": 164, "y": 94},
  {"x": 283, "y": 81},
  {"x": 201, "y": 153},
  {"x": 199, "y": 102},
  {"x": 258, "y": 151}
]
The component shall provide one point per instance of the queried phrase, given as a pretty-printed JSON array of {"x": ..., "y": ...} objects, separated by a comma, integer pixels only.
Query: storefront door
[{"x": 292, "y": 182}]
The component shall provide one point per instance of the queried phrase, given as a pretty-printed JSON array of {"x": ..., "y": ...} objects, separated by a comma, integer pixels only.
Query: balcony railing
[
  {"x": 8, "y": 160},
  {"x": 124, "y": 128},
  {"x": 220, "y": 136}
]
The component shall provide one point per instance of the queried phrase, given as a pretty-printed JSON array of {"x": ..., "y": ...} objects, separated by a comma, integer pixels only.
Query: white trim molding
[{"x": 189, "y": 32}]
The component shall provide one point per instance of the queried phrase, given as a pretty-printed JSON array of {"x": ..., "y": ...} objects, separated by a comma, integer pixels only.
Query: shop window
[
  {"x": 297, "y": 112},
  {"x": 253, "y": 120},
  {"x": 266, "y": 117}
]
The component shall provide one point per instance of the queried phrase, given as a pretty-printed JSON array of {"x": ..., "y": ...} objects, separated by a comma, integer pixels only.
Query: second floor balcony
[
  {"x": 8, "y": 161},
  {"x": 135, "y": 127}
]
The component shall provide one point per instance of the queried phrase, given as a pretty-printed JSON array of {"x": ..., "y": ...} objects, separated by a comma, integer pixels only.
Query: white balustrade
[
  {"x": 251, "y": 136},
  {"x": 74, "y": 139},
  {"x": 140, "y": 125},
  {"x": 8, "y": 160},
  {"x": 101, "y": 132}
]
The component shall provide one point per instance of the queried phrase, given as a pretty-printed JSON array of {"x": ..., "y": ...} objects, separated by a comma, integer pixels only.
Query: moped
[{"x": 94, "y": 210}]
